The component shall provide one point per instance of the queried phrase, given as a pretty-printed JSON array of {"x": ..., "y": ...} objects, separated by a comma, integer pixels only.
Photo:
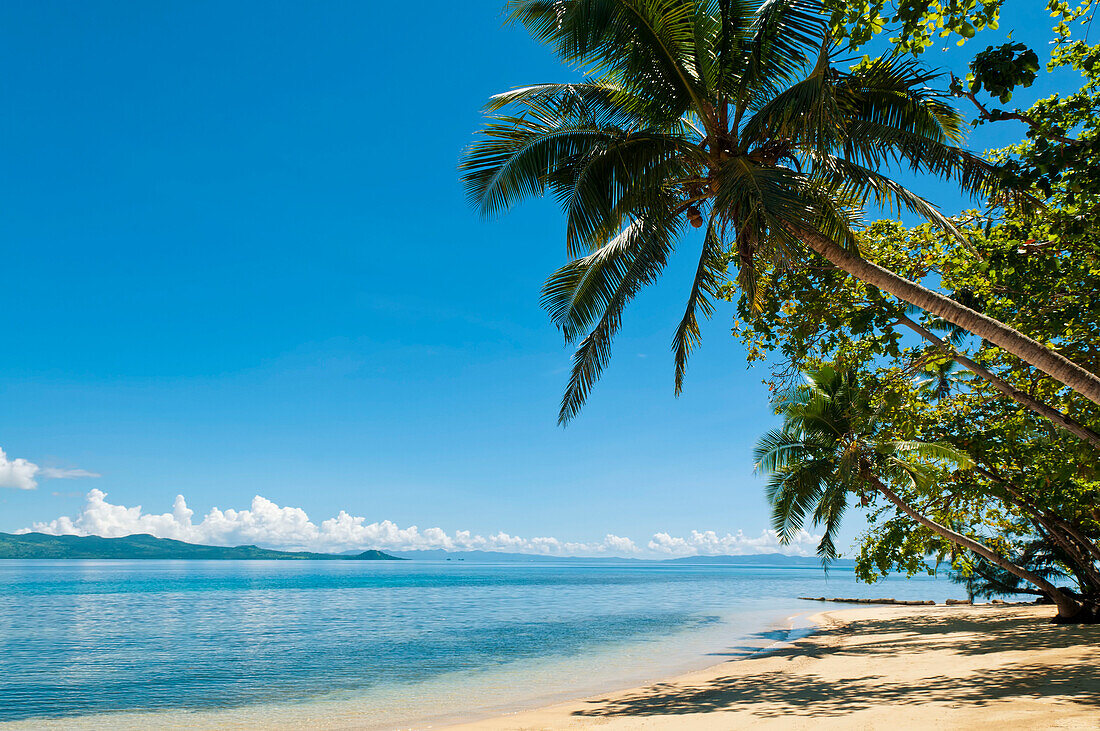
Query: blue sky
[{"x": 239, "y": 262}]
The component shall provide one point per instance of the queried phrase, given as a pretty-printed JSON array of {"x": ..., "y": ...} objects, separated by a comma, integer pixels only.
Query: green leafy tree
[
  {"x": 730, "y": 117},
  {"x": 995, "y": 512},
  {"x": 818, "y": 313},
  {"x": 1031, "y": 480},
  {"x": 984, "y": 579},
  {"x": 914, "y": 25},
  {"x": 1031, "y": 485},
  {"x": 832, "y": 445}
]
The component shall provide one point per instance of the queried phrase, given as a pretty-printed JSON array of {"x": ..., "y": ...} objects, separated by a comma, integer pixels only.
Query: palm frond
[
  {"x": 516, "y": 155},
  {"x": 648, "y": 44},
  {"x": 860, "y": 184},
  {"x": 829, "y": 512},
  {"x": 785, "y": 36},
  {"x": 709, "y": 276},
  {"x": 779, "y": 449},
  {"x": 804, "y": 114},
  {"x": 578, "y": 293},
  {"x": 793, "y": 494},
  {"x": 896, "y": 92},
  {"x": 616, "y": 180},
  {"x": 655, "y": 238},
  {"x": 934, "y": 451},
  {"x": 603, "y": 102}
]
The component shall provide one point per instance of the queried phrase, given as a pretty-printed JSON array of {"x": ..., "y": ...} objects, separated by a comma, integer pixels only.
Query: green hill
[{"x": 40, "y": 545}]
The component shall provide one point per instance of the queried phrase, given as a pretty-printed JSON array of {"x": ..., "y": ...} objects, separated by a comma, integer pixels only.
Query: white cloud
[
  {"x": 709, "y": 543},
  {"x": 620, "y": 544},
  {"x": 17, "y": 473},
  {"x": 55, "y": 473},
  {"x": 21, "y": 474},
  {"x": 266, "y": 524}
]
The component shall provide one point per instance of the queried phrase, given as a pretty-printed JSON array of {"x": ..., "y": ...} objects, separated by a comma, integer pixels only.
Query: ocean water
[{"x": 130, "y": 644}]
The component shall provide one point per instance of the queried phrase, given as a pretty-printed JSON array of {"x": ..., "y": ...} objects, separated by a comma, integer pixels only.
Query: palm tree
[
  {"x": 831, "y": 446},
  {"x": 730, "y": 116}
]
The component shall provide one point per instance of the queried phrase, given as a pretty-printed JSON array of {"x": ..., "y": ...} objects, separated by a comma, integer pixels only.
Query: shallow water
[{"x": 202, "y": 643}]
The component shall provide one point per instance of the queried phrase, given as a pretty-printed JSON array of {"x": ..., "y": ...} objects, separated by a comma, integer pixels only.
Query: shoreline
[
  {"x": 957, "y": 666},
  {"x": 795, "y": 626},
  {"x": 347, "y": 711},
  {"x": 960, "y": 666}
]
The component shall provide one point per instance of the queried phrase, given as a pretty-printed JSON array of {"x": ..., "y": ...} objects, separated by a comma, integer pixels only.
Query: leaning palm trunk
[
  {"x": 1031, "y": 352},
  {"x": 1059, "y": 533},
  {"x": 1047, "y": 412},
  {"x": 1090, "y": 546},
  {"x": 1080, "y": 562},
  {"x": 1068, "y": 608},
  {"x": 1089, "y": 549}
]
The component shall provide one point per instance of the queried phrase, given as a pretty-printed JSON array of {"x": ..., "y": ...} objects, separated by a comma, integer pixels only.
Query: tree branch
[
  {"x": 1047, "y": 412},
  {"x": 999, "y": 115}
]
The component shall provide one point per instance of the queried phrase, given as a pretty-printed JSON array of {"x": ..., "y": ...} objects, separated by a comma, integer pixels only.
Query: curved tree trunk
[
  {"x": 1087, "y": 543},
  {"x": 1067, "y": 607},
  {"x": 1089, "y": 548},
  {"x": 1081, "y": 563},
  {"x": 992, "y": 581},
  {"x": 1031, "y": 352},
  {"x": 1047, "y": 412}
]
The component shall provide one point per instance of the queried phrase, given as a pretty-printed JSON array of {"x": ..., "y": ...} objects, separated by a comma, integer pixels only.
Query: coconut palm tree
[
  {"x": 729, "y": 116},
  {"x": 831, "y": 447}
]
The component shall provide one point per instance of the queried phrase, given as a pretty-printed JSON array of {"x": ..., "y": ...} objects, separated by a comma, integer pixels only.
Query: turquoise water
[{"x": 377, "y": 643}]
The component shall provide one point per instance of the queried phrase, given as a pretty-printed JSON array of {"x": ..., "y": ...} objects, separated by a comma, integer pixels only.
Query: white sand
[{"x": 890, "y": 667}]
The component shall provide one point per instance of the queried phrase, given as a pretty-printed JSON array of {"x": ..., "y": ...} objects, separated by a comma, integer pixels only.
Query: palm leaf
[
  {"x": 648, "y": 44},
  {"x": 934, "y": 451},
  {"x": 655, "y": 237},
  {"x": 709, "y": 276}
]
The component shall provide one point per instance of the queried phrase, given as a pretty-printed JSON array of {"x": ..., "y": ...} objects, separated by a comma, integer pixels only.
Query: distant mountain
[
  {"x": 762, "y": 559},
  {"x": 139, "y": 546},
  {"x": 40, "y": 545},
  {"x": 438, "y": 554}
]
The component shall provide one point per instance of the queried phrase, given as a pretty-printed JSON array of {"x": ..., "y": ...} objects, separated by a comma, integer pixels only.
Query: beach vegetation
[
  {"x": 833, "y": 446},
  {"x": 987, "y": 580},
  {"x": 729, "y": 117},
  {"x": 1035, "y": 481},
  {"x": 957, "y": 357}
]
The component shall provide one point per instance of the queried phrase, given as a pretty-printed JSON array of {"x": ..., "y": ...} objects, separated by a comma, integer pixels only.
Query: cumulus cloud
[
  {"x": 709, "y": 543},
  {"x": 17, "y": 473},
  {"x": 23, "y": 475},
  {"x": 266, "y": 524}
]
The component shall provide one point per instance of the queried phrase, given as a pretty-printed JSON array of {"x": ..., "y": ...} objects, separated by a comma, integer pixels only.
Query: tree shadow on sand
[
  {"x": 779, "y": 693},
  {"x": 757, "y": 642}
]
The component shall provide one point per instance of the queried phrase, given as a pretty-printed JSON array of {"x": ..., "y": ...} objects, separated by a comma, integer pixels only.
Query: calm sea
[{"x": 116, "y": 644}]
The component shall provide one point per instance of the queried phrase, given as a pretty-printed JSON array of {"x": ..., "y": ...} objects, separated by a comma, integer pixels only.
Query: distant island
[
  {"x": 144, "y": 546},
  {"x": 771, "y": 560}
]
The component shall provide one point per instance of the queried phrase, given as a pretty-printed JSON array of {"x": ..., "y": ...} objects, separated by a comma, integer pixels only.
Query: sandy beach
[{"x": 869, "y": 668}]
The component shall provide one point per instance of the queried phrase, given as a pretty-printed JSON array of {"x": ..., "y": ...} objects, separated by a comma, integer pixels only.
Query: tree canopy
[
  {"x": 1034, "y": 490},
  {"x": 974, "y": 336}
]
